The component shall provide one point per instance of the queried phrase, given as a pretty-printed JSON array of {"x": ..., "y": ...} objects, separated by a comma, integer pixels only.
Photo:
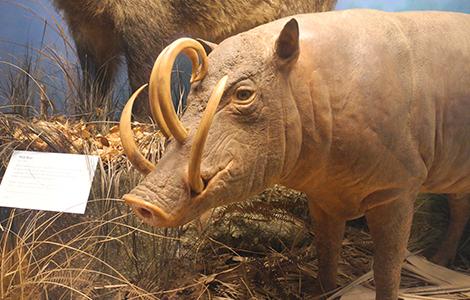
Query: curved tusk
[
  {"x": 163, "y": 77},
  {"x": 197, "y": 73},
  {"x": 154, "y": 102},
  {"x": 127, "y": 137},
  {"x": 194, "y": 168}
]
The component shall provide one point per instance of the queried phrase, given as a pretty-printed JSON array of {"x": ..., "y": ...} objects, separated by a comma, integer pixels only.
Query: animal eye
[{"x": 244, "y": 94}]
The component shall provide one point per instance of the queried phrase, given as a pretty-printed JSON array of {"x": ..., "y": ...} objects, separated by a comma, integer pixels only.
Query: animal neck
[{"x": 308, "y": 155}]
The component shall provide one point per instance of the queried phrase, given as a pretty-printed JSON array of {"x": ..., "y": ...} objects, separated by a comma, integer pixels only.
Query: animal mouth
[
  {"x": 156, "y": 216},
  {"x": 218, "y": 174}
]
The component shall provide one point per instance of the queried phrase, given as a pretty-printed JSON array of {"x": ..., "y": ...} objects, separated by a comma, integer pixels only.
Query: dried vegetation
[{"x": 261, "y": 249}]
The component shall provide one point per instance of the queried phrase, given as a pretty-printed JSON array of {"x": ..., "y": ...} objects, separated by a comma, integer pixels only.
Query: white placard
[{"x": 48, "y": 181}]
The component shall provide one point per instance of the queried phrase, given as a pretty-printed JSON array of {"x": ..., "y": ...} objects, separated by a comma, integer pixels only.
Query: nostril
[{"x": 147, "y": 214}]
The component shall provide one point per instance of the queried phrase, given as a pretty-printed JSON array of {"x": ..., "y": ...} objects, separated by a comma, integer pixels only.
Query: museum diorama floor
[{"x": 261, "y": 249}]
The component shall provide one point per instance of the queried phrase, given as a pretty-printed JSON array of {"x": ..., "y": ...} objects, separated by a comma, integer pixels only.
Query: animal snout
[{"x": 149, "y": 213}]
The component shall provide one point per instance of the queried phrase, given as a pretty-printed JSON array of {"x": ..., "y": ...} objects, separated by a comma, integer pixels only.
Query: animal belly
[
  {"x": 452, "y": 176},
  {"x": 450, "y": 169}
]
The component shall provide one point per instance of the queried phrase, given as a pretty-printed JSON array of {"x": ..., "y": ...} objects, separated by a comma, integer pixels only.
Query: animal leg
[
  {"x": 329, "y": 233},
  {"x": 459, "y": 210},
  {"x": 390, "y": 226},
  {"x": 98, "y": 70},
  {"x": 138, "y": 70},
  {"x": 98, "y": 50}
]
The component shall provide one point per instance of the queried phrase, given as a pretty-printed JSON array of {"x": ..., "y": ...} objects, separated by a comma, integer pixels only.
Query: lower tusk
[
  {"x": 127, "y": 137},
  {"x": 194, "y": 168}
]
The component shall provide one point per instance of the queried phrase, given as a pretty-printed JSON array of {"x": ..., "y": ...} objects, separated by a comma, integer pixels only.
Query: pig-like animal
[{"x": 361, "y": 110}]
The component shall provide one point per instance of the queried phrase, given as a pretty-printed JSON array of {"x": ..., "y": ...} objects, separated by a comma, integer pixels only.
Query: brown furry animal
[{"x": 105, "y": 30}]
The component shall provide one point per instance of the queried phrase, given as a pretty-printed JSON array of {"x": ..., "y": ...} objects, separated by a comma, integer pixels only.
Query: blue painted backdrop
[
  {"x": 22, "y": 21},
  {"x": 35, "y": 25},
  {"x": 400, "y": 5}
]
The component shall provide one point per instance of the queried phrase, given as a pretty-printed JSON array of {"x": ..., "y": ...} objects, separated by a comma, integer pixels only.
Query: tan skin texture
[{"x": 363, "y": 112}]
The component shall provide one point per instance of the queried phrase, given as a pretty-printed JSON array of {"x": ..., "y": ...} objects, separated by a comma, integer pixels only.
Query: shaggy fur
[{"x": 105, "y": 30}]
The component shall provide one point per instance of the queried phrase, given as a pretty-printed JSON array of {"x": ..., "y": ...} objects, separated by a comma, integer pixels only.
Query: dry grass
[
  {"x": 52, "y": 256},
  {"x": 34, "y": 80},
  {"x": 106, "y": 232},
  {"x": 261, "y": 249}
]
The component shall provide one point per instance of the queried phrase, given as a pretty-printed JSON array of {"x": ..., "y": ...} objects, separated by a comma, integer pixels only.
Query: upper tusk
[
  {"x": 197, "y": 70},
  {"x": 194, "y": 168},
  {"x": 163, "y": 77},
  {"x": 154, "y": 102},
  {"x": 127, "y": 137}
]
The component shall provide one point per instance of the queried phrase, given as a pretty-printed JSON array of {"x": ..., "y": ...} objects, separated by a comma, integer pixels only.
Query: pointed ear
[
  {"x": 287, "y": 44},
  {"x": 208, "y": 46}
]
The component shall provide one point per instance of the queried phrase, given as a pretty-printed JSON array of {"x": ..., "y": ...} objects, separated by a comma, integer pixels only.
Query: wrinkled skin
[
  {"x": 364, "y": 112},
  {"x": 243, "y": 145}
]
